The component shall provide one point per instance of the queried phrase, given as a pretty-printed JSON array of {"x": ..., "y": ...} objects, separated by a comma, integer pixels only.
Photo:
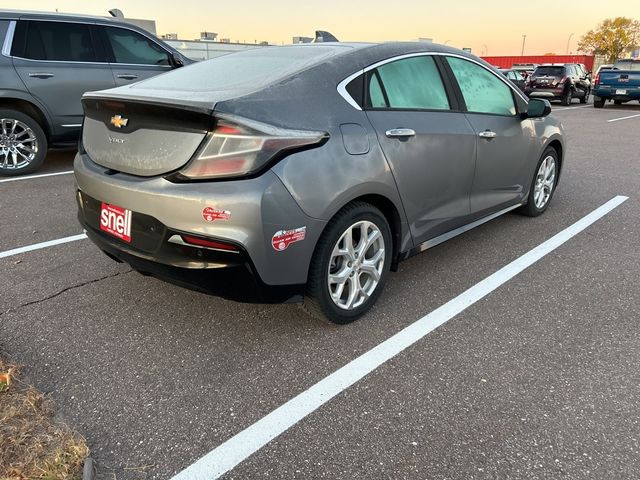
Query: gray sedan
[{"x": 307, "y": 173}]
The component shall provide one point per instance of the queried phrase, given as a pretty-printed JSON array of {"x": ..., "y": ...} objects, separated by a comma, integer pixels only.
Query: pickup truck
[{"x": 621, "y": 84}]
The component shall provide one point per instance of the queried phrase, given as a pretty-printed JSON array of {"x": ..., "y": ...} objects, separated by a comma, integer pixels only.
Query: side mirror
[
  {"x": 176, "y": 61},
  {"x": 538, "y": 108}
]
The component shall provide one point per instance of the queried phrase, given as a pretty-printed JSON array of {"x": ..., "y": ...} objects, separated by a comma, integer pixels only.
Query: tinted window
[
  {"x": 412, "y": 83},
  {"x": 131, "y": 47},
  {"x": 58, "y": 41},
  {"x": 483, "y": 92},
  {"x": 376, "y": 97},
  {"x": 549, "y": 72},
  {"x": 632, "y": 65}
]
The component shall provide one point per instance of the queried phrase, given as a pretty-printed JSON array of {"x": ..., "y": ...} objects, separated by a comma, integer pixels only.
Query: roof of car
[{"x": 33, "y": 14}]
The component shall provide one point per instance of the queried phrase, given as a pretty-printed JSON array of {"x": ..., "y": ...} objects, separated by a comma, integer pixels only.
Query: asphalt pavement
[{"x": 539, "y": 379}]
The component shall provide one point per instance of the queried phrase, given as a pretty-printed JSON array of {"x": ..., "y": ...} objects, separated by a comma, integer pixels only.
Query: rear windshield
[
  {"x": 548, "y": 72},
  {"x": 252, "y": 68},
  {"x": 633, "y": 66}
]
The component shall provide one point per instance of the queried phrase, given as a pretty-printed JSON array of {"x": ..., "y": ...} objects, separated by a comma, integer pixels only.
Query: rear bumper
[
  {"x": 544, "y": 92},
  {"x": 612, "y": 92},
  {"x": 259, "y": 210},
  {"x": 230, "y": 275}
]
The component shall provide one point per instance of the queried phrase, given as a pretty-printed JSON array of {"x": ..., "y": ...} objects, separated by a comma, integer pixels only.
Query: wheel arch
[
  {"x": 556, "y": 144},
  {"x": 28, "y": 108}
]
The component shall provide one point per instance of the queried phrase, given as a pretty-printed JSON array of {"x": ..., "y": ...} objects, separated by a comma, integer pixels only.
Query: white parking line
[
  {"x": 38, "y": 246},
  {"x": 247, "y": 442},
  {"x": 30, "y": 177},
  {"x": 623, "y": 118},
  {"x": 570, "y": 108}
]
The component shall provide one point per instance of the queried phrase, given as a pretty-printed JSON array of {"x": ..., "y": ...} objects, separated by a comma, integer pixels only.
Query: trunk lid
[{"x": 143, "y": 136}]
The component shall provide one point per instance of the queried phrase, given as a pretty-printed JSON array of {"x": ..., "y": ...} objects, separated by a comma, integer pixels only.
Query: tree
[{"x": 611, "y": 38}]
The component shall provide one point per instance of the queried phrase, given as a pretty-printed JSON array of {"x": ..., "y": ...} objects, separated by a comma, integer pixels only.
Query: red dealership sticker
[
  {"x": 283, "y": 238},
  {"x": 116, "y": 221},
  {"x": 211, "y": 214}
]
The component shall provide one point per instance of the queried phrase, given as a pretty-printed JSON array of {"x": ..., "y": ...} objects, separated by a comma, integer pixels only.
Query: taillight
[
  {"x": 238, "y": 147},
  {"x": 563, "y": 80},
  {"x": 597, "y": 80}
]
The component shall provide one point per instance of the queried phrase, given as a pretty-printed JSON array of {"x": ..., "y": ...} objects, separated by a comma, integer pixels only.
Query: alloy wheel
[
  {"x": 356, "y": 265},
  {"x": 18, "y": 144},
  {"x": 545, "y": 181}
]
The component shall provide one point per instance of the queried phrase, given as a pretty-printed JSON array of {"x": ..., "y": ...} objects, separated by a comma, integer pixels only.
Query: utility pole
[
  {"x": 524, "y": 39},
  {"x": 568, "y": 43}
]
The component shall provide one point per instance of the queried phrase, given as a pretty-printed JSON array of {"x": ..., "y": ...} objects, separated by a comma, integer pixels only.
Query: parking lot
[{"x": 537, "y": 379}]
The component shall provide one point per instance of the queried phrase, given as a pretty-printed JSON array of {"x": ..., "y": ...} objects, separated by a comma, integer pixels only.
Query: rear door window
[
  {"x": 53, "y": 41},
  {"x": 408, "y": 84},
  {"x": 483, "y": 92},
  {"x": 133, "y": 48}
]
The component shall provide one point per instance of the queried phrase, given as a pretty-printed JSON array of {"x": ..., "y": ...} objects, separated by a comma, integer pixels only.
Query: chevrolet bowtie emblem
[{"x": 119, "y": 122}]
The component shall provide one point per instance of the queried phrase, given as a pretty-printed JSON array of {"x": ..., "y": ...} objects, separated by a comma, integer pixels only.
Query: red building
[{"x": 507, "y": 62}]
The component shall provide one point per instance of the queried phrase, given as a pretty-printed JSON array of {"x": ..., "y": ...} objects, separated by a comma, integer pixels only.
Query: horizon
[{"x": 498, "y": 31}]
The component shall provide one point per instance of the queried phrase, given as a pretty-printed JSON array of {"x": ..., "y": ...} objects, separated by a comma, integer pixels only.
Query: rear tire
[
  {"x": 598, "y": 102},
  {"x": 543, "y": 185},
  {"x": 617, "y": 102},
  {"x": 342, "y": 261},
  {"x": 566, "y": 98},
  {"x": 23, "y": 143}
]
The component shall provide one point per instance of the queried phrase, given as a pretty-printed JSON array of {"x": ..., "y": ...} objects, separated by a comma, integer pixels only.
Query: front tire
[
  {"x": 350, "y": 264},
  {"x": 23, "y": 144},
  {"x": 598, "y": 102},
  {"x": 566, "y": 98},
  {"x": 585, "y": 99},
  {"x": 543, "y": 184}
]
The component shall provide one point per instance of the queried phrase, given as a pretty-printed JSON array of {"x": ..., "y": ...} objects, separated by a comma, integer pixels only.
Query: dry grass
[{"x": 32, "y": 446}]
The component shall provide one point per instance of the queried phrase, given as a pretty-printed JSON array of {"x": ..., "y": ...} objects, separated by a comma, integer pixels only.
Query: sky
[{"x": 488, "y": 27}]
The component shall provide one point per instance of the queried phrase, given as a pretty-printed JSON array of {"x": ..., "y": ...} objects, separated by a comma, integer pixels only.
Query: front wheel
[
  {"x": 598, "y": 102},
  {"x": 23, "y": 144},
  {"x": 350, "y": 264},
  {"x": 543, "y": 185},
  {"x": 585, "y": 99},
  {"x": 566, "y": 98}
]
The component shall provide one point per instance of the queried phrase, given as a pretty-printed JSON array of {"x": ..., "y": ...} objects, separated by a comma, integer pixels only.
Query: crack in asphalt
[{"x": 64, "y": 290}]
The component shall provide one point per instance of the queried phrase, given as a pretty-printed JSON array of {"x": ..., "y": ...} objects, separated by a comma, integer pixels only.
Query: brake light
[
  {"x": 597, "y": 80},
  {"x": 202, "y": 242},
  {"x": 562, "y": 80},
  {"x": 238, "y": 147}
]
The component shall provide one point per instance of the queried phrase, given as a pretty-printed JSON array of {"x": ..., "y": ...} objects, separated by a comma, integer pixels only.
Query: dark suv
[
  {"x": 49, "y": 61},
  {"x": 559, "y": 82}
]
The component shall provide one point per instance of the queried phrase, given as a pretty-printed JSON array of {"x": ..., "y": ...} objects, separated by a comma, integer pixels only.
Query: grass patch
[{"x": 32, "y": 446}]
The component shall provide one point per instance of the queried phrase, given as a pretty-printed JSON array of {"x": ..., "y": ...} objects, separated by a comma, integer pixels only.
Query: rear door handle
[
  {"x": 400, "y": 133},
  {"x": 488, "y": 134},
  {"x": 127, "y": 76},
  {"x": 41, "y": 75}
]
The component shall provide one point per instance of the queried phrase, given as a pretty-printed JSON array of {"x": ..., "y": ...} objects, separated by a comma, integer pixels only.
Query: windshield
[
  {"x": 252, "y": 68},
  {"x": 633, "y": 65},
  {"x": 549, "y": 72}
]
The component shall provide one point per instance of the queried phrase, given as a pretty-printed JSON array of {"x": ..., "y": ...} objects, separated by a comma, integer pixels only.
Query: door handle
[
  {"x": 127, "y": 76},
  {"x": 400, "y": 133},
  {"x": 41, "y": 75},
  {"x": 488, "y": 134}
]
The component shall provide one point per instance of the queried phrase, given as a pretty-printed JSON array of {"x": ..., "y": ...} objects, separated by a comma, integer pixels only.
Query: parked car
[
  {"x": 48, "y": 61},
  {"x": 525, "y": 69},
  {"x": 559, "y": 82},
  {"x": 620, "y": 84},
  {"x": 309, "y": 170},
  {"x": 515, "y": 76}
]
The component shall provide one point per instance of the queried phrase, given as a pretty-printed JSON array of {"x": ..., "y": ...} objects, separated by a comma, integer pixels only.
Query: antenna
[{"x": 116, "y": 12}]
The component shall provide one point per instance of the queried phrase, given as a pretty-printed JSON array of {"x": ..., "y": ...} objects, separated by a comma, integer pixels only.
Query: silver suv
[{"x": 49, "y": 61}]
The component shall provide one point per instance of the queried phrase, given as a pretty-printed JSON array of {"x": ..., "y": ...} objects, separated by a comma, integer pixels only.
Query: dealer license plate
[{"x": 116, "y": 221}]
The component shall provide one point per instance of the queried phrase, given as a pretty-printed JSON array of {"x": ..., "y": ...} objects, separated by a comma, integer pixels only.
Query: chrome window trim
[
  {"x": 12, "y": 27},
  {"x": 8, "y": 39},
  {"x": 342, "y": 86}
]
